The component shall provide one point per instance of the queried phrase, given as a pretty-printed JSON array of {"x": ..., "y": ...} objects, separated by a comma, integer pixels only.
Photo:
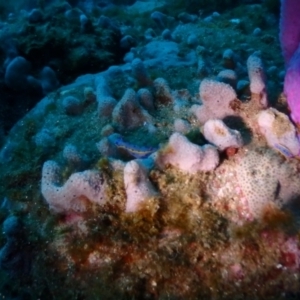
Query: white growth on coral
[
  {"x": 217, "y": 133},
  {"x": 186, "y": 156},
  {"x": 279, "y": 132},
  {"x": 216, "y": 97},
  {"x": 257, "y": 80},
  {"x": 77, "y": 190},
  {"x": 138, "y": 186}
]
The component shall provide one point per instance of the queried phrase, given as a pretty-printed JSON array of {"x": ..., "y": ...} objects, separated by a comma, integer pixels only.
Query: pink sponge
[
  {"x": 289, "y": 28},
  {"x": 216, "y": 98},
  {"x": 138, "y": 186},
  {"x": 88, "y": 185},
  {"x": 186, "y": 156}
]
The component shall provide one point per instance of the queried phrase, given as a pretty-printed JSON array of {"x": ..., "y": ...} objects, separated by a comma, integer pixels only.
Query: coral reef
[{"x": 171, "y": 176}]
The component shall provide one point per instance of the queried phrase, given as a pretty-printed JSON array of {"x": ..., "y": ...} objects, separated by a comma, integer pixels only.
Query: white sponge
[
  {"x": 186, "y": 156},
  {"x": 279, "y": 132},
  {"x": 80, "y": 188},
  {"x": 217, "y": 133},
  {"x": 217, "y": 98},
  {"x": 138, "y": 186},
  {"x": 257, "y": 80}
]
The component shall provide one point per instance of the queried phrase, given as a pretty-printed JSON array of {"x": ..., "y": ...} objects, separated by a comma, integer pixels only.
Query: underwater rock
[
  {"x": 192, "y": 40},
  {"x": 106, "y": 85},
  {"x": 202, "y": 69},
  {"x": 106, "y": 106},
  {"x": 44, "y": 139},
  {"x": 146, "y": 99},
  {"x": 107, "y": 147},
  {"x": 162, "y": 91},
  {"x": 107, "y": 23},
  {"x": 84, "y": 23},
  {"x": 187, "y": 18},
  {"x": 102, "y": 87},
  {"x": 160, "y": 19},
  {"x": 257, "y": 31},
  {"x": 73, "y": 157},
  {"x": 140, "y": 73},
  {"x": 35, "y": 15},
  {"x": 106, "y": 102},
  {"x": 15, "y": 257},
  {"x": 166, "y": 34},
  {"x": 73, "y": 15},
  {"x": 229, "y": 59},
  {"x": 12, "y": 227},
  {"x": 129, "y": 57},
  {"x": 16, "y": 74},
  {"x": 127, "y": 42},
  {"x": 7, "y": 151},
  {"x": 48, "y": 79},
  {"x": 149, "y": 34},
  {"x": 72, "y": 106},
  {"x": 165, "y": 55},
  {"x": 89, "y": 95}
]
